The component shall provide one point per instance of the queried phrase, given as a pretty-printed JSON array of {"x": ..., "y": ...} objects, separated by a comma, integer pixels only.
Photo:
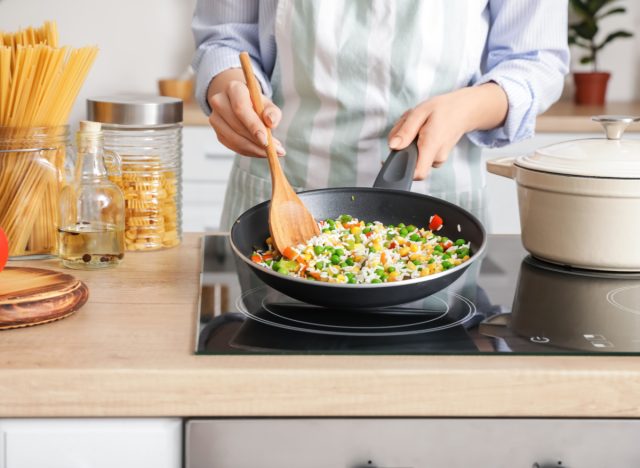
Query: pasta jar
[
  {"x": 146, "y": 132},
  {"x": 32, "y": 174}
]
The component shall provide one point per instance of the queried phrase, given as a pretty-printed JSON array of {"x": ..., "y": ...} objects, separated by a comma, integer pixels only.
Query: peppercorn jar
[{"x": 146, "y": 132}]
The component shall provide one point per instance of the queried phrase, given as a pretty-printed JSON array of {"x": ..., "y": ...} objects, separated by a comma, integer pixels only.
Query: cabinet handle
[{"x": 217, "y": 156}]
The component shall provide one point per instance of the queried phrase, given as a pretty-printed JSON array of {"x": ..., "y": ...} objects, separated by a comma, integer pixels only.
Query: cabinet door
[
  {"x": 91, "y": 443},
  {"x": 206, "y": 167}
]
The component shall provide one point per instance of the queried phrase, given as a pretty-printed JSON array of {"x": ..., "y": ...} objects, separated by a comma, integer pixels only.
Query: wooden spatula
[{"x": 290, "y": 223}]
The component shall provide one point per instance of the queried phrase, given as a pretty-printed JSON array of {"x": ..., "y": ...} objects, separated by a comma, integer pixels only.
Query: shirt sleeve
[
  {"x": 222, "y": 29},
  {"x": 528, "y": 56}
]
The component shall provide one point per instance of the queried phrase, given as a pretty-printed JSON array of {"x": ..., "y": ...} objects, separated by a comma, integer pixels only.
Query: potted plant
[{"x": 591, "y": 87}]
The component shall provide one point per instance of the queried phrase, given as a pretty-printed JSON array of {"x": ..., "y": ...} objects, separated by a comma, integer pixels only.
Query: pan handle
[{"x": 397, "y": 171}]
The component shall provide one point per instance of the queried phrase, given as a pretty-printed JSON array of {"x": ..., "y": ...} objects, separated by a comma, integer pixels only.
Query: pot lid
[{"x": 610, "y": 157}]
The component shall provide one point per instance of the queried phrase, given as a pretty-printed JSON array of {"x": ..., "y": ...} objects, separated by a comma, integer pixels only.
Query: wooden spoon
[{"x": 290, "y": 223}]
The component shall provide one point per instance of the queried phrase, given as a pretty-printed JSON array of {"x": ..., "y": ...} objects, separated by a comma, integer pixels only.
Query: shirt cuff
[
  {"x": 216, "y": 61},
  {"x": 521, "y": 115}
]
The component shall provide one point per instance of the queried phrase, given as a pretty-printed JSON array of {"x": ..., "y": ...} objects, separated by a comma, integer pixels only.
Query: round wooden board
[{"x": 32, "y": 296}]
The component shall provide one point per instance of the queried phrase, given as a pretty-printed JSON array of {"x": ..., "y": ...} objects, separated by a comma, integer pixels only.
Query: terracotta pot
[
  {"x": 576, "y": 197},
  {"x": 591, "y": 88}
]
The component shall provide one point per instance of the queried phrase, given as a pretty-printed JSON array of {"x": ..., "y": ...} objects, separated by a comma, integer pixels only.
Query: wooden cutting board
[{"x": 31, "y": 296}]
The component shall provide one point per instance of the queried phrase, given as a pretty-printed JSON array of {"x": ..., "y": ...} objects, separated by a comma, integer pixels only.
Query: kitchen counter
[
  {"x": 129, "y": 352},
  {"x": 562, "y": 117}
]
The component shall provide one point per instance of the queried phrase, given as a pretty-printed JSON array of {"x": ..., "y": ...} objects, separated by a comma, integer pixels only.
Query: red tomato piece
[
  {"x": 435, "y": 223},
  {"x": 4, "y": 249}
]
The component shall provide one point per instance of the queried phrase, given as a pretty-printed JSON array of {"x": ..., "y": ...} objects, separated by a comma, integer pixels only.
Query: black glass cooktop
[{"x": 508, "y": 303}]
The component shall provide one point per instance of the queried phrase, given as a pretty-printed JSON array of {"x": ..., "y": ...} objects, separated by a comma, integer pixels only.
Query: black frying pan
[{"x": 389, "y": 203}]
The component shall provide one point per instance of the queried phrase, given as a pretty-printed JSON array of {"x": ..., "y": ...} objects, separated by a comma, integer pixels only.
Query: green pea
[
  {"x": 330, "y": 221},
  {"x": 390, "y": 235},
  {"x": 320, "y": 265},
  {"x": 318, "y": 249},
  {"x": 391, "y": 269},
  {"x": 276, "y": 266},
  {"x": 343, "y": 265},
  {"x": 283, "y": 271},
  {"x": 391, "y": 226},
  {"x": 379, "y": 271},
  {"x": 404, "y": 231},
  {"x": 345, "y": 218},
  {"x": 349, "y": 261},
  {"x": 444, "y": 239},
  {"x": 368, "y": 224},
  {"x": 411, "y": 228},
  {"x": 326, "y": 230},
  {"x": 329, "y": 249},
  {"x": 376, "y": 281},
  {"x": 431, "y": 260},
  {"x": 366, "y": 230},
  {"x": 384, "y": 276},
  {"x": 401, "y": 225},
  {"x": 462, "y": 252},
  {"x": 335, "y": 259},
  {"x": 446, "y": 256},
  {"x": 460, "y": 242},
  {"x": 415, "y": 237},
  {"x": 416, "y": 262},
  {"x": 446, "y": 265},
  {"x": 351, "y": 281},
  {"x": 438, "y": 248},
  {"x": 339, "y": 252}
]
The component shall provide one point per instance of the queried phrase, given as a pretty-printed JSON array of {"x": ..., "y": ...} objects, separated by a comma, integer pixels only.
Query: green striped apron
[{"x": 346, "y": 71}]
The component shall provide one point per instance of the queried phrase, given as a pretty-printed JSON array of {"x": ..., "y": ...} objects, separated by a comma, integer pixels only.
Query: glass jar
[
  {"x": 91, "y": 231},
  {"x": 146, "y": 132},
  {"x": 33, "y": 162}
]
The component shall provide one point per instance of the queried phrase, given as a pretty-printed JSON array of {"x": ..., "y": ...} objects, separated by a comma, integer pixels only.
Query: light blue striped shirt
[{"x": 526, "y": 53}]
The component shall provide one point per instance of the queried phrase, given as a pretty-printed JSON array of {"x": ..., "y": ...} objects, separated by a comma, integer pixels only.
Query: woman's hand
[
  {"x": 236, "y": 124},
  {"x": 441, "y": 121}
]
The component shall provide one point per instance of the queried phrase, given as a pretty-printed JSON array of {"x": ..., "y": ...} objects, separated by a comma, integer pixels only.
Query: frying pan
[{"x": 388, "y": 202}]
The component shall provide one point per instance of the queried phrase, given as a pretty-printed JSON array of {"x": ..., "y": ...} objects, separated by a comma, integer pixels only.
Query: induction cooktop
[{"x": 509, "y": 302}]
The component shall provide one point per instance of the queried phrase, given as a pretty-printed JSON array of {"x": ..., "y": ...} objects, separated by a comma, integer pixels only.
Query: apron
[{"x": 345, "y": 72}]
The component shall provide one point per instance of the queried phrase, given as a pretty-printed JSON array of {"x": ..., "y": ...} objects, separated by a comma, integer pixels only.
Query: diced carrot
[
  {"x": 435, "y": 223},
  {"x": 383, "y": 258},
  {"x": 301, "y": 260},
  {"x": 267, "y": 256},
  {"x": 256, "y": 258},
  {"x": 314, "y": 274},
  {"x": 392, "y": 245},
  {"x": 290, "y": 253}
]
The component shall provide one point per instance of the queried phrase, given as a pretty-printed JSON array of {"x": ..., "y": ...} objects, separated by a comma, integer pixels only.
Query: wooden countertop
[
  {"x": 129, "y": 352},
  {"x": 562, "y": 117}
]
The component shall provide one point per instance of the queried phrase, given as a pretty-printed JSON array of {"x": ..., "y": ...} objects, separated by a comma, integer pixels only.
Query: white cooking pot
[{"x": 580, "y": 200}]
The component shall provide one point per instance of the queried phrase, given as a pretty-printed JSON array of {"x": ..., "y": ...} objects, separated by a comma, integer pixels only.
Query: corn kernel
[
  {"x": 355, "y": 230},
  {"x": 411, "y": 266},
  {"x": 404, "y": 251},
  {"x": 414, "y": 247}
]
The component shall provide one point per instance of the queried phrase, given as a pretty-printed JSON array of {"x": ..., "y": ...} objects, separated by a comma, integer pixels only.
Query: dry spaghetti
[{"x": 39, "y": 83}]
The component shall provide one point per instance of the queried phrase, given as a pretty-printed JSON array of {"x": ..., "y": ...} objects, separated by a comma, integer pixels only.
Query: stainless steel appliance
[{"x": 411, "y": 443}]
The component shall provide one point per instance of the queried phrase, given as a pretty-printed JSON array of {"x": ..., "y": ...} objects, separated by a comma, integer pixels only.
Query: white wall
[{"x": 140, "y": 41}]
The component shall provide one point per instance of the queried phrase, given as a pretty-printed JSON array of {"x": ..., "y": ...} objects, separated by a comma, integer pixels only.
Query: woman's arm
[
  {"x": 222, "y": 29},
  {"x": 527, "y": 58}
]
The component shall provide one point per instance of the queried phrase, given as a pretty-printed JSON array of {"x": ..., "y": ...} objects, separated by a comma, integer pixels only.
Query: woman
[{"x": 346, "y": 80}]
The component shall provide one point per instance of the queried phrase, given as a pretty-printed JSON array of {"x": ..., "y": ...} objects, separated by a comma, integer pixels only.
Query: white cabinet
[
  {"x": 501, "y": 192},
  {"x": 90, "y": 443},
  {"x": 206, "y": 164}
]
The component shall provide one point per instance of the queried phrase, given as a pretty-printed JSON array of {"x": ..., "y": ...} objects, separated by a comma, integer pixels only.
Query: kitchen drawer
[
  {"x": 201, "y": 217},
  {"x": 204, "y": 157},
  {"x": 412, "y": 443},
  {"x": 94, "y": 443},
  {"x": 199, "y": 192}
]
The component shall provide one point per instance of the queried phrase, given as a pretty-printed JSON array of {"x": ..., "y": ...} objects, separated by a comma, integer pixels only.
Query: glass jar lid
[
  {"x": 610, "y": 157},
  {"x": 135, "y": 110}
]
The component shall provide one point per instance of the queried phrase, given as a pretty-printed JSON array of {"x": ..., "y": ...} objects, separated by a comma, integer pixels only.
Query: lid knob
[{"x": 614, "y": 125}]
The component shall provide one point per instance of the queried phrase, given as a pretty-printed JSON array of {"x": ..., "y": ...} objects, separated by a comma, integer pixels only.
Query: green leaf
[
  {"x": 586, "y": 29},
  {"x": 613, "y": 36},
  {"x": 586, "y": 59},
  {"x": 580, "y": 7},
  {"x": 613, "y": 11},
  {"x": 594, "y": 6}
]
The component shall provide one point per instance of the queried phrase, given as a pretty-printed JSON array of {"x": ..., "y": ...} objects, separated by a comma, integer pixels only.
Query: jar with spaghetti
[
  {"x": 32, "y": 174},
  {"x": 146, "y": 132}
]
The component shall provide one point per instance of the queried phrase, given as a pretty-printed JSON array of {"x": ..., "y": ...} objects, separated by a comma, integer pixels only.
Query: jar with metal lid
[{"x": 146, "y": 132}]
